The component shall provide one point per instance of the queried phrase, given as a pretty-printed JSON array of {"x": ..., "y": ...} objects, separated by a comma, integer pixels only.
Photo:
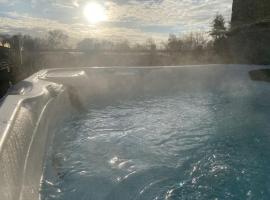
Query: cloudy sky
[{"x": 135, "y": 20}]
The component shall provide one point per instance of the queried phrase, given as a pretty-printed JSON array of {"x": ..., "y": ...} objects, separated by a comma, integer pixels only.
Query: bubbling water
[{"x": 201, "y": 145}]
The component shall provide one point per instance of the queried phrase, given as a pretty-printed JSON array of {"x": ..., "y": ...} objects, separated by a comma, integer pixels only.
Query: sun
[{"x": 95, "y": 13}]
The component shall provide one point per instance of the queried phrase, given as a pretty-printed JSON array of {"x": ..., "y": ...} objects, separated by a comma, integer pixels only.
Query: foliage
[
  {"x": 220, "y": 40},
  {"x": 218, "y": 28}
]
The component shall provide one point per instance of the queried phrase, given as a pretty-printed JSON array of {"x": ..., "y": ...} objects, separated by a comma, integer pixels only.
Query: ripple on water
[{"x": 183, "y": 146}]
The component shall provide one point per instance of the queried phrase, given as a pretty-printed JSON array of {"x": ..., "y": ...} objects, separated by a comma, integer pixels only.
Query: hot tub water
[{"x": 183, "y": 145}]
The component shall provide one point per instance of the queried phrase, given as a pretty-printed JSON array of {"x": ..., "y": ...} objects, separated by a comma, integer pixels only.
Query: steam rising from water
[{"x": 187, "y": 144}]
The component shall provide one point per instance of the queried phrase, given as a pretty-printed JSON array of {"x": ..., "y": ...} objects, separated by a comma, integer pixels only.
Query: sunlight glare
[{"x": 95, "y": 13}]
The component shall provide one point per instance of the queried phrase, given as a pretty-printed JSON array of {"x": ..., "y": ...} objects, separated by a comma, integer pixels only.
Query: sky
[{"x": 135, "y": 20}]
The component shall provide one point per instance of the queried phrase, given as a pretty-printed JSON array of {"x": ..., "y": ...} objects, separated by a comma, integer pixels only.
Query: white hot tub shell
[{"x": 32, "y": 108}]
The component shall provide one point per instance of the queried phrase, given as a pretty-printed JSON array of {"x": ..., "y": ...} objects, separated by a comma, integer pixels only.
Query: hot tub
[{"x": 34, "y": 108}]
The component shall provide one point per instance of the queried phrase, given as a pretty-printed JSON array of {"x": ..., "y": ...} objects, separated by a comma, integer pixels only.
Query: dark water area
[{"x": 183, "y": 145}]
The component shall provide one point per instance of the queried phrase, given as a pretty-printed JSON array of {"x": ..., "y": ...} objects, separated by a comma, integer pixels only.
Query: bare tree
[
  {"x": 151, "y": 45},
  {"x": 57, "y": 39},
  {"x": 122, "y": 46},
  {"x": 87, "y": 44},
  {"x": 194, "y": 41},
  {"x": 173, "y": 44}
]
